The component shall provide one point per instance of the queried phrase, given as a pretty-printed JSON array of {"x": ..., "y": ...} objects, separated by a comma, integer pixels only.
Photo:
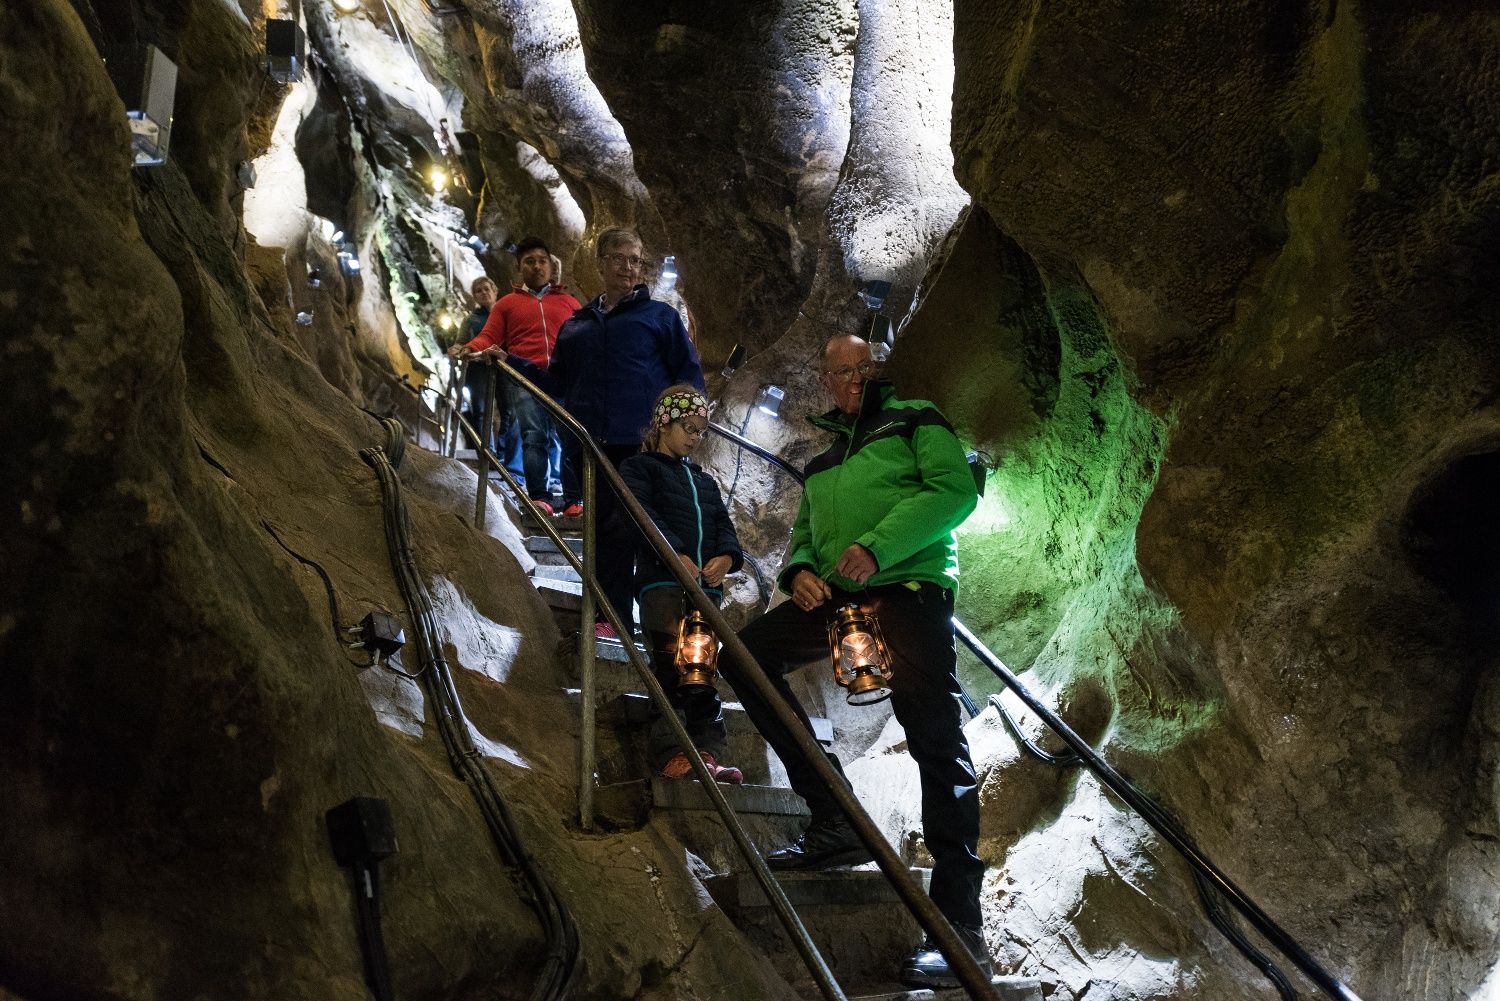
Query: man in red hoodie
[{"x": 525, "y": 323}]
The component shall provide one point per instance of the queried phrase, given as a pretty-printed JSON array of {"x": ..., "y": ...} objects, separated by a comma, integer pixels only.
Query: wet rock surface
[{"x": 1219, "y": 314}]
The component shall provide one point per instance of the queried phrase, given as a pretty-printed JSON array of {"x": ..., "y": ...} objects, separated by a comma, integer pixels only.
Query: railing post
[
  {"x": 586, "y": 652},
  {"x": 486, "y": 425},
  {"x": 453, "y": 394}
]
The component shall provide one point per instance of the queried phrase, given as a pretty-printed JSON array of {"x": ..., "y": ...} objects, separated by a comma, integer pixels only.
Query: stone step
[
  {"x": 635, "y": 708},
  {"x": 544, "y": 550},
  {"x": 559, "y": 571},
  {"x": 829, "y": 887},
  {"x": 623, "y": 737},
  {"x": 687, "y": 794},
  {"x": 1006, "y": 988},
  {"x": 695, "y": 823}
]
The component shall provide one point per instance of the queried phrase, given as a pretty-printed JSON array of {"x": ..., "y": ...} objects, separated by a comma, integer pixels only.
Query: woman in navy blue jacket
[{"x": 685, "y": 504}]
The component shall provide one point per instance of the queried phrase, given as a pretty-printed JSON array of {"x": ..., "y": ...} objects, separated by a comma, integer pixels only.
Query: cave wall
[{"x": 1220, "y": 314}]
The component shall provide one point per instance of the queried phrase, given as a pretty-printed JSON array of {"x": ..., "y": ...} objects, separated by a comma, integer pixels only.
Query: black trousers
[{"x": 918, "y": 629}]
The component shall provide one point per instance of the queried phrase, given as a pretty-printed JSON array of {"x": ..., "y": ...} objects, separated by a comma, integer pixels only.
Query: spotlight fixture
[
  {"x": 304, "y": 318},
  {"x": 477, "y": 243},
  {"x": 337, "y": 237},
  {"x": 736, "y": 359},
  {"x": 346, "y": 6},
  {"x": 244, "y": 175},
  {"x": 348, "y": 263},
  {"x": 437, "y": 177},
  {"x": 697, "y": 653},
  {"x": 873, "y": 293},
  {"x": 286, "y": 50},
  {"x": 667, "y": 281},
  {"x": 768, "y": 400},
  {"x": 861, "y": 662},
  {"x": 147, "y": 83},
  {"x": 315, "y": 278},
  {"x": 380, "y": 633},
  {"x": 446, "y": 321},
  {"x": 978, "y": 469}
]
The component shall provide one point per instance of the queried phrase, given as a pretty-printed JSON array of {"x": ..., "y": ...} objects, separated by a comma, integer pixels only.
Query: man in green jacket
[{"x": 876, "y": 528}]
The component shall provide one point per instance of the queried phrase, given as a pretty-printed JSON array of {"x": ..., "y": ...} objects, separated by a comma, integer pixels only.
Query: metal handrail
[
  {"x": 594, "y": 593},
  {"x": 960, "y": 961},
  {"x": 1204, "y": 870}
]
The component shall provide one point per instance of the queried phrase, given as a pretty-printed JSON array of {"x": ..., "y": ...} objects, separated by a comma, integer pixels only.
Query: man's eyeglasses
[
  {"x": 845, "y": 374},
  {"x": 631, "y": 261}
]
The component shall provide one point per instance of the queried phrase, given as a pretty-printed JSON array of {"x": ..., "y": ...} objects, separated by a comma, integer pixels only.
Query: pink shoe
[
  {"x": 605, "y": 631},
  {"x": 543, "y": 507},
  {"x": 678, "y": 767},
  {"x": 573, "y": 510},
  {"x": 725, "y": 774}
]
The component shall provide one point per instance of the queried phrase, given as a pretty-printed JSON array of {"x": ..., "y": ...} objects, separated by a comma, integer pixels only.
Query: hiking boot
[
  {"x": 573, "y": 510},
  {"x": 826, "y": 843},
  {"x": 927, "y": 968},
  {"x": 543, "y": 508}
]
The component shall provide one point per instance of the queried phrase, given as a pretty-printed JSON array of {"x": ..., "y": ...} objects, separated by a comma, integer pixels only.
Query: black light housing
[
  {"x": 286, "y": 50},
  {"x": 736, "y": 359},
  {"x": 147, "y": 83}
]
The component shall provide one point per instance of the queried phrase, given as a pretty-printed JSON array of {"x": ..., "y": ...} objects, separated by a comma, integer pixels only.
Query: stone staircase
[{"x": 852, "y": 914}]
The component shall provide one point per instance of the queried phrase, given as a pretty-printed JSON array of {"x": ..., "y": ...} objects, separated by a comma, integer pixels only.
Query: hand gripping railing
[
  {"x": 1205, "y": 873},
  {"x": 960, "y": 961}
]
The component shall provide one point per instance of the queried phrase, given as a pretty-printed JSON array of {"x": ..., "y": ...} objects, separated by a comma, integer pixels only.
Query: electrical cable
[{"x": 560, "y": 963}]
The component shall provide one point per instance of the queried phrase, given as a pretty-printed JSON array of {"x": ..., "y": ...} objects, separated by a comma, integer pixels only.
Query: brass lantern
[
  {"x": 697, "y": 652},
  {"x": 861, "y": 662}
]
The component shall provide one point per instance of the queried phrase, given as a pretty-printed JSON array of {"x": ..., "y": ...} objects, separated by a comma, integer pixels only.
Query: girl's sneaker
[
  {"x": 678, "y": 767},
  {"x": 726, "y": 774}
]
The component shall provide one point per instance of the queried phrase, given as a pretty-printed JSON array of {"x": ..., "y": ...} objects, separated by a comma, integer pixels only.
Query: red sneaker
[
  {"x": 605, "y": 631},
  {"x": 678, "y": 767},
  {"x": 543, "y": 507},
  {"x": 726, "y": 774},
  {"x": 573, "y": 510}
]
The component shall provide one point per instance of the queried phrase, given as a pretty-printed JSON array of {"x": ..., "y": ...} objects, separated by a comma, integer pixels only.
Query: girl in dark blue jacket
[{"x": 685, "y": 504}]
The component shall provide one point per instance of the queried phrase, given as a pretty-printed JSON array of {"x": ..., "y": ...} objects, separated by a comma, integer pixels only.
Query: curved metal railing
[
  {"x": 977, "y": 985},
  {"x": 1209, "y": 878}
]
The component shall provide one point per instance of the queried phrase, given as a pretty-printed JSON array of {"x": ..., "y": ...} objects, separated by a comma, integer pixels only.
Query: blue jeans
[{"x": 534, "y": 427}]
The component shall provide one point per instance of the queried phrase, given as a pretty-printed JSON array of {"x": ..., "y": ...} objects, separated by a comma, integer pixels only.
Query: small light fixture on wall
[
  {"x": 861, "y": 661},
  {"x": 147, "y": 83},
  {"x": 768, "y": 400}
]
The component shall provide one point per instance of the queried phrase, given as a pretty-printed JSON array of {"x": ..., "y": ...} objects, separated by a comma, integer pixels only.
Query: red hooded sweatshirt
[{"x": 526, "y": 325}]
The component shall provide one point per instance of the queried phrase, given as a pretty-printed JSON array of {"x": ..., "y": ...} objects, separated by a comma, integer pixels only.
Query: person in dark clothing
[
  {"x": 613, "y": 358},
  {"x": 485, "y": 292},
  {"x": 685, "y": 504},
  {"x": 875, "y": 528}
]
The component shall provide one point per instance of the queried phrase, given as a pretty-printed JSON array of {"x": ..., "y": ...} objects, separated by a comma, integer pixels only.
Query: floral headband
[{"x": 679, "y": 405}]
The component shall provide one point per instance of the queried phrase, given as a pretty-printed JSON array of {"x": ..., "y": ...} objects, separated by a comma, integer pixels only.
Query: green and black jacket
[{"x": 897, "y": 482}]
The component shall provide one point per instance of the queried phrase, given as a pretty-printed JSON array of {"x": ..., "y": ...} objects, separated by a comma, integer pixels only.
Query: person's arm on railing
[
  {"x": 546, "y": 379},
  {"x": 721, "y": 540}
]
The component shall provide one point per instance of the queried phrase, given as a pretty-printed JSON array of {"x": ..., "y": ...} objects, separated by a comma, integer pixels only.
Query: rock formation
[{"x": 1209, "y": 288}]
